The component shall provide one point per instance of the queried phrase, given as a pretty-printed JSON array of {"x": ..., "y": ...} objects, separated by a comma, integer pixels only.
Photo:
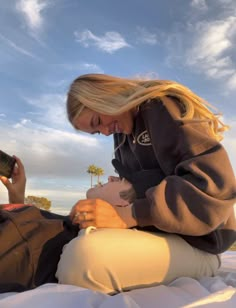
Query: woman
[{"x": 167, "y": 144}]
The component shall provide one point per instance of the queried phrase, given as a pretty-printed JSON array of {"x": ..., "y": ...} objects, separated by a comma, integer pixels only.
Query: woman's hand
[
  {"x": 16, "y": 187},
  {"x": 100, "y": 214}
]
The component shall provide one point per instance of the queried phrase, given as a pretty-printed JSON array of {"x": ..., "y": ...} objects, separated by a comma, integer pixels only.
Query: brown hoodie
[{"x": 196, "y": 187}]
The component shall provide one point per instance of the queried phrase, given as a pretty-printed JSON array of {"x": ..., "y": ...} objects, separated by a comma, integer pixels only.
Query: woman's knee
[
  {"x": 83, "y": 263},
  {"x": 75, "y": 258}
]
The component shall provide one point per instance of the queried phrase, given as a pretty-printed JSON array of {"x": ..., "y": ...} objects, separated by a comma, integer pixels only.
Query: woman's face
[{"x": 92, "y": 122}]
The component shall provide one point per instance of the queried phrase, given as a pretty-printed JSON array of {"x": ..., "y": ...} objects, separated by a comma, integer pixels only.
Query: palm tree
[
  {"x": 92, "y": 171},
  {"x": 99, "y": 172}
]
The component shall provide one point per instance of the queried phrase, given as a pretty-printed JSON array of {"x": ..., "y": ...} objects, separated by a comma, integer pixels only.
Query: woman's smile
[{"x": 92, "y": 122}]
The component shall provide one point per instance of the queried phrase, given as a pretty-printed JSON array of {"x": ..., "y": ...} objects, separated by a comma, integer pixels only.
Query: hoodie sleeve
[{"x": 199, "y": 190}]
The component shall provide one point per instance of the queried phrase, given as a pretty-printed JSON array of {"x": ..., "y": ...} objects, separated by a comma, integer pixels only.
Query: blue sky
[{"x": 45, "y": 44}]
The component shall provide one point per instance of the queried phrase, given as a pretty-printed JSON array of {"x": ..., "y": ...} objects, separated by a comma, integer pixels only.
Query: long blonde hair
[{"x": 114, "y": 95}]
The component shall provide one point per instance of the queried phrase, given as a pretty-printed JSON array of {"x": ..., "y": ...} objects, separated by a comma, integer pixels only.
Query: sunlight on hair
[{"x": 114, "y": 95}]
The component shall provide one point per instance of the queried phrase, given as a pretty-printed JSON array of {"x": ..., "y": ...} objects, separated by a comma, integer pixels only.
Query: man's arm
[{"x": 16, "y": 187}]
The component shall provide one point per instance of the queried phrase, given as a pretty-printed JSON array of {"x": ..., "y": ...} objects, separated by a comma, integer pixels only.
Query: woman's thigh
[{"x": 115, "y": 260}]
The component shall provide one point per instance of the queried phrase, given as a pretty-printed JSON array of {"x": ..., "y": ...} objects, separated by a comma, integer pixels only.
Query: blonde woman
[{"x": 167, "y": 145}]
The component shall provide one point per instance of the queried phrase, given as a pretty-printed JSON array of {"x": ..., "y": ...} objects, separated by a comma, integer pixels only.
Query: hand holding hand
[{"x": 16, "y": 187}]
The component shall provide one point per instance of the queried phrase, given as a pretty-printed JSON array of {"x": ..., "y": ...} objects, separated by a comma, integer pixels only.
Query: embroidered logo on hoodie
[{"x": 144, "y": 139}]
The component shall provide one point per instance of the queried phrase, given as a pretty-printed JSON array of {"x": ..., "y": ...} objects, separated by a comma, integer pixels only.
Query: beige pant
[{"x": 116, "y": 260}]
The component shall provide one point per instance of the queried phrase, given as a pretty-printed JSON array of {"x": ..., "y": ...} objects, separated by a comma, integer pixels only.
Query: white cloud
[
  {"x": 91, "y": 67},
  {"x": 208, "y": 48},
  {"x": 50, "y": 109},
  {"x": 22, "y": 123},
  {"x": 18, "y": 48},
  {"x": 226, "y": 2},
  {"x": 147, "y": 37},
  {"x": 232, "y": 81},
  {"x": 110, "y": 42},
  {"x": 205, "y": 5},
  {"x": 53, "y": 152},
  {"x": 55, "y": 160},
  {"x": 57, "y": 83},
  {"x": 45, "y": 133},
  {"x": 83, "y": 66},
  {"x": 230, "y": 141},
  {"x": 146, "y": 76},
  {"x": 199, "y": 4},
  {"x": 213, "y": 39},
  {"x": 32, "y": 12},
  {"x": 2, "y": 115},
  {"x": 212, "y": 47}
]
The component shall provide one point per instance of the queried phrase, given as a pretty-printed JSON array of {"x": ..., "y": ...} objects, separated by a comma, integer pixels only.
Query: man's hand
[{"x": 16, "y": 187}]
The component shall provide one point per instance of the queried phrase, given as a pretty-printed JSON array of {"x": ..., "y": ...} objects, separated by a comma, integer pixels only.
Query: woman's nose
[{"x": 104, "y": 130}]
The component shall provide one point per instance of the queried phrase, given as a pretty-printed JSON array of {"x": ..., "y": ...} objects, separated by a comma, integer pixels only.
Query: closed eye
[{"x": 96, "y": 121}]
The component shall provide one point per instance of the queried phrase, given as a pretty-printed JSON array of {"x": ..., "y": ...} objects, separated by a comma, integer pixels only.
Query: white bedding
[{"x": 219, "y": 291}]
